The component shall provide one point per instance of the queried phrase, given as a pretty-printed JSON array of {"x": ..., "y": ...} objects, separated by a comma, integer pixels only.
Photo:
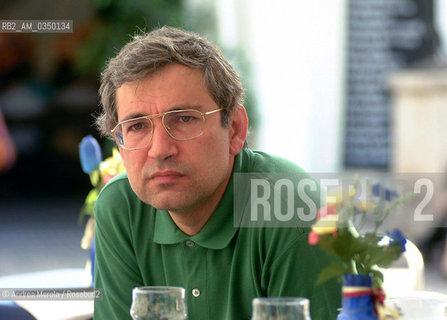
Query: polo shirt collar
[{"x": 217, "y": 232}]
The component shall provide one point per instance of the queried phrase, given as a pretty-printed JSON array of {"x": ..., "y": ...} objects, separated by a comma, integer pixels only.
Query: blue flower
[
  {"x": 398, "y": 238},
  {"x": 90, "y": 154},
  {"x": 385, "y": 193}
]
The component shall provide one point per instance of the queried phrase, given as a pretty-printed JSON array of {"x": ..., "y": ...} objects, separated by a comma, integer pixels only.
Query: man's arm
[
  {"x": 116, "y": 269},
  {"x": 294, "y": 274}
]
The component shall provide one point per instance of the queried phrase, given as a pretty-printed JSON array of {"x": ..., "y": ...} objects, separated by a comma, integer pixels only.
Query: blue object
[
  {"x": 398, "y": 237},
  {"x": 357, "y": 304},
  {"x": 90, "y": 154},
  {"x": 11, "y": 311},
  {"x": 385, "y": 193},
  {"x": 92, "y": 259}
]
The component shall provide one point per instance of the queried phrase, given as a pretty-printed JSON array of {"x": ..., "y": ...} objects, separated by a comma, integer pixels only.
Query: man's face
[{"x": 180, "y": 176}]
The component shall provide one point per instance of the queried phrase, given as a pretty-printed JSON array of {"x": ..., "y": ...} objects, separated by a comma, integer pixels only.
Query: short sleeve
[{"x": 116, "y": 269}]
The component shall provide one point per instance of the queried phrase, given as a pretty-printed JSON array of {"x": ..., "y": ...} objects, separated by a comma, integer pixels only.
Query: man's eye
[
  {"x": 137, "y": 126},
  {"x": 184, "y": 119}
]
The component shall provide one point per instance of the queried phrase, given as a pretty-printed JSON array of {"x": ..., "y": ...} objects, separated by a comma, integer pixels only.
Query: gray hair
[{"x": 147, "y": 53}]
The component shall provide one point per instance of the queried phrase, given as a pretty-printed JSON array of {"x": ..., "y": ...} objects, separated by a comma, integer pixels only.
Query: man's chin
[
  {"x": 161, "y": 197},
  {"x": 172, "y": 202},
  {"x": 173, "y": 198}
]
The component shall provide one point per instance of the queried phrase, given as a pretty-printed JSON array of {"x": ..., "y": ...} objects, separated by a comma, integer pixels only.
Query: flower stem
[{"x": 352, "y": 267}]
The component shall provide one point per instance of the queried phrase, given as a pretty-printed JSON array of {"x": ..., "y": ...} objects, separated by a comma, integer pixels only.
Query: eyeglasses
[{"x": 134, "y": 134}]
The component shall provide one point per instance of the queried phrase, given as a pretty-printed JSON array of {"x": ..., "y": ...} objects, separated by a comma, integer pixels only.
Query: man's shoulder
[
  {"x": 118, "y": 184},
  {"x": 116, "y": 195},
  {"x": 275, "y": 192},
  {"x": 119, "y": 178},
  {"x": 260, "y": 161},
  {"x": 276, "y": 241},
  {"x": 286, "y": 233}
]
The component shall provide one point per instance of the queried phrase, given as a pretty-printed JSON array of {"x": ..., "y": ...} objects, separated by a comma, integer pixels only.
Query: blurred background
[{"x": 335, "y": 86}]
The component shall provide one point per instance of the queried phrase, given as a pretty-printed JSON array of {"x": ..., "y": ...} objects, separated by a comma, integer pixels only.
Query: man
[{"x": 173, "y": 104}]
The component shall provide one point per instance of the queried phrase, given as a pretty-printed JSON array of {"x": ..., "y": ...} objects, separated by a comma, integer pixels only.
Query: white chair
[{"x": 406, "y": 274}]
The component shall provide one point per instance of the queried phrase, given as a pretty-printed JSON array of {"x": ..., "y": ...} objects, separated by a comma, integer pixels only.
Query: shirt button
[
  {"x": 190, "y": 243},
  {"x": 196, "y": 292}
]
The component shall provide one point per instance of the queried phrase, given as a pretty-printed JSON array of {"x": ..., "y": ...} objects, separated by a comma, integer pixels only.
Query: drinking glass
[
  {"x": 158, "y": 303},
  {"x": 280, "y": 309}
]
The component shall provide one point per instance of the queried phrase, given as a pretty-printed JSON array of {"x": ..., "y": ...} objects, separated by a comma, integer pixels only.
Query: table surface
[{"x": 54, "y": 279}]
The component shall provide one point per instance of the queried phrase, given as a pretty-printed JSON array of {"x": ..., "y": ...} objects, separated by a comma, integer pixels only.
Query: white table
[{"x": 54, "y": 279}]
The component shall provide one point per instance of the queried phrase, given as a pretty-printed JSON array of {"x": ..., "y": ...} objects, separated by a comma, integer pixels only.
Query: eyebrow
[
  {"x": 177, "y": 107},
  {"x": 133, "y": 116}
]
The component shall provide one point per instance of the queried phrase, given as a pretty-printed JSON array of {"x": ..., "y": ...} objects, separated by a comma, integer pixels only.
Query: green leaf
[
  {"x": 386, "y": 255},
  {"x": 333, "y": 270},
  {"x": 89, "y": 205},
  {"x": 91, "y": 197},
  {"x": 347, "y": 247},
  {"x": 377, "y": 278}
]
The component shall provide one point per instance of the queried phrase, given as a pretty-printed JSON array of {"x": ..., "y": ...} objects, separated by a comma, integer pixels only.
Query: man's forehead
[
  {"x": 168, "y": 73},
  {"x": 173, "y": 87}
]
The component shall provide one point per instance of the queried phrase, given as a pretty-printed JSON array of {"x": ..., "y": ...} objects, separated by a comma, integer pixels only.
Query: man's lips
[{"x": 168, "y": 176}]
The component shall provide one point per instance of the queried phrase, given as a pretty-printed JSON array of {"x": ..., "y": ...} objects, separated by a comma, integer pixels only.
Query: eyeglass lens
[{"x": 182, "y": 125}]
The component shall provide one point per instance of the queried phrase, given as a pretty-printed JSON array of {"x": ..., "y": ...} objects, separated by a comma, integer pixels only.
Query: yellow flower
[
  {"x": 111, "y": 166},
  {"x": 108, "y": 168},
  {"x": 337, "y": 197},
  {"x": 366, "y": 206},
  {"x": 325, "y": 225}
]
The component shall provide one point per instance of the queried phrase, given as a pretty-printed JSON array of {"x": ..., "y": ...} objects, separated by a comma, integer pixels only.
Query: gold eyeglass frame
[{"x": 162, "y": 115}]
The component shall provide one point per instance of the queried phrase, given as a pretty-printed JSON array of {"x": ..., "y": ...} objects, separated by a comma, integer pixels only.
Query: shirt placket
[{"x": 197, "y": 296}]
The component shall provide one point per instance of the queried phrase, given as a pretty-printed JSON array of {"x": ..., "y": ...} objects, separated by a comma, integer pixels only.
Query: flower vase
[{"x": 357, "y": 298}]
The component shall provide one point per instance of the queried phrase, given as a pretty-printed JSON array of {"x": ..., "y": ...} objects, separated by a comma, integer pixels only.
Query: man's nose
[{"x": 162, "y": 145}]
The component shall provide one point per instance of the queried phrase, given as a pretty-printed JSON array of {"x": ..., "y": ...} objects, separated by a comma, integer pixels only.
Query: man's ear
[{"x": 238, "y": 129}]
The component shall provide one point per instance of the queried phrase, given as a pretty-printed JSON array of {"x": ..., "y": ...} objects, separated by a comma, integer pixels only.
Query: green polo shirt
[{"x": 222, "y": 268}]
